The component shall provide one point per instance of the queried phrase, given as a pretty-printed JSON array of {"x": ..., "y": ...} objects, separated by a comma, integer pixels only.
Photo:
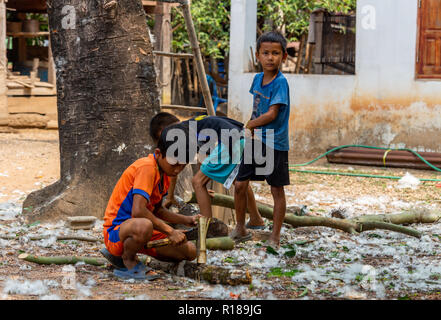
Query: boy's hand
[
  {"x": 177, "y": 237},
  {"x": 170, "y": 201},
  {"x": 193, "y": 220},
  {"x": 249, "y": 130}
]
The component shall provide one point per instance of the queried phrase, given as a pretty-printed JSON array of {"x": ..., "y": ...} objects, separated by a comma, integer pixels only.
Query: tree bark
[
  {"x": 106, "y": 94},
  {"x": 211, "y": 274}
]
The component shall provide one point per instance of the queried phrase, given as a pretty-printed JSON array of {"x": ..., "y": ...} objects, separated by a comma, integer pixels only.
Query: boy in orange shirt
[{"x": 135, "y": 215}]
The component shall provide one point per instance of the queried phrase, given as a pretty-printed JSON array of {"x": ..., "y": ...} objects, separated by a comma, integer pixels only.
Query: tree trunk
[{"x": 106, "y": 95}]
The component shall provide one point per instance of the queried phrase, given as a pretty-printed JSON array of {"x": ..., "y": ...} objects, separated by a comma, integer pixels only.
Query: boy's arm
[
  {"x": 171, "y": 193},
  {"x": 265, "y": 118},
  {"x": 176, "y": 218},
  {"x": 139, "y": 210}
]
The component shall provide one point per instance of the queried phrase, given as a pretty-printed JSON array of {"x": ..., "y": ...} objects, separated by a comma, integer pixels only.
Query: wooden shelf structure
[{"x": 16, "y": 83}]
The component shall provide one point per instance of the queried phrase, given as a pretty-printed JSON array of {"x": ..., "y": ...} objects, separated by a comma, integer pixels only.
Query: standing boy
[{"x": 269, "y": 123}]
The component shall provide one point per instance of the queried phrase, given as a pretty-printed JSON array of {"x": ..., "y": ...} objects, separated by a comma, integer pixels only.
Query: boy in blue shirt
[{"x": 269, "y": 126}]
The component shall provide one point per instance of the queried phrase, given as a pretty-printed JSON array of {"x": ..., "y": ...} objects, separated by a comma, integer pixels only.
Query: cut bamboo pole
[
  {"x": 201, "y": 242},
  {"x": 59, "y": 238},
  {"x": 62, "y": 259},
  {"x": 352, "y": 226}
]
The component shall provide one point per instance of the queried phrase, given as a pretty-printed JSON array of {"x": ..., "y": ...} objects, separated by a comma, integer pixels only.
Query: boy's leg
[
  {"x": 203, "y": 198},
  {"x": 134, "y": 233},
  {"x": 186, "y": 251},
  {"x": 279, "y": 213},
  {"x": 255, "y": 217},
  {"x": 240, "y": 206}
]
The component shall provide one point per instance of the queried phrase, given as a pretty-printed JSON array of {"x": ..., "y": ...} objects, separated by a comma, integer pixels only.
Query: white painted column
[{"x": 242, "y": 36}]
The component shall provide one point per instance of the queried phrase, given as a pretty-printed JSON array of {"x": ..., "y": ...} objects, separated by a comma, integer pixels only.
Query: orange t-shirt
[{"x": 141, "y": 177}]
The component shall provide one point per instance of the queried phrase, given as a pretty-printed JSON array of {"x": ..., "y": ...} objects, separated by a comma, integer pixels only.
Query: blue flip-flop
[{"x": 137, "y": 272}]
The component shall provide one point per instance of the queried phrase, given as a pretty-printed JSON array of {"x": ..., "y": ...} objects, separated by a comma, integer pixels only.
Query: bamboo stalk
[
  {"x": 201, "y": 243},
  {"x": 62, "y": 259},
  {"x": 348, "y": 225},
  {"x": 173, "y": 54},
  {"x": 67, "y": 237}
]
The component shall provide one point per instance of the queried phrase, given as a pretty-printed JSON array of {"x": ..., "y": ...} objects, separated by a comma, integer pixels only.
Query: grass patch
[{"x": 279, "y": 272}]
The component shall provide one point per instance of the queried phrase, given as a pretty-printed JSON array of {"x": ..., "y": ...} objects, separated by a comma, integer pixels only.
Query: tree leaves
[
  {"x": 212, "y": 21},
  {"x": 292, "y": 16}
]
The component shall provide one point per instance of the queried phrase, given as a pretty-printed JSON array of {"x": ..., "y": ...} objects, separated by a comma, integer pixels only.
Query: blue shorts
[{"x": 220, "y": 164}]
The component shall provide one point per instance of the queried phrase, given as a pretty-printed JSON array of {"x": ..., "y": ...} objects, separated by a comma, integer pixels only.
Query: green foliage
[
  {"x": 279, "y": 272},
  {"x": 212, "y": 23}
]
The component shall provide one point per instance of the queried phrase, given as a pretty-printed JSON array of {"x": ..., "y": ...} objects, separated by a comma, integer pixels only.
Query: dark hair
[
  {"x": 164, "y": 145},
  {"x": 272, "y": 36},
  {"x": 159, "y": 122}
]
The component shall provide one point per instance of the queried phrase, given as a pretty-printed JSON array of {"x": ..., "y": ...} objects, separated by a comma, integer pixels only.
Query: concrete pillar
[
  {"x": 3, "y": 66},
  {"x": 243, "y": 28}
]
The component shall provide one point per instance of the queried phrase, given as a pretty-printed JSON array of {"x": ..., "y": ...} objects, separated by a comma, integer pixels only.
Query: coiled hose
[{"x": 360, "y": 174}]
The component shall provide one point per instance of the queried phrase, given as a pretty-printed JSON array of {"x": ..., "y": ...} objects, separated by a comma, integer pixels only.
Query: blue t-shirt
[{"x": 275, "y": 92}]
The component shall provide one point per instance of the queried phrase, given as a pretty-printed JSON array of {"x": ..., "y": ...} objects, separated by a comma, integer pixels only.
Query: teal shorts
[{"x": 220, "y": 165}]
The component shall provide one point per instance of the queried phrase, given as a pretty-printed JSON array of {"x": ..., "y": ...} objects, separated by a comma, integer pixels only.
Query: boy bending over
[{"x": 211, "y": 169}]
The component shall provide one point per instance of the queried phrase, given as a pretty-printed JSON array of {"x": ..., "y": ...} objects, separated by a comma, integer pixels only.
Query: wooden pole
[
  {"x": 300, "y": 55},
  {"x": 163, "y": 35},
  {"x": 51, "y": 75},
  {"x": 185, "y": 5}
]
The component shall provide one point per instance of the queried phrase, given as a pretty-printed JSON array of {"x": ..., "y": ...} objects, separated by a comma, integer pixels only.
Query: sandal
[
  {"x": 239, "y": 239},
  {"x": 137, "y": 272},
  {"x": 248, "y": 226}
]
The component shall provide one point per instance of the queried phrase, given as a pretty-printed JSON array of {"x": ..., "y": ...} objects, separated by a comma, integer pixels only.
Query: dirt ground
[{"x": 313, "y": 263}]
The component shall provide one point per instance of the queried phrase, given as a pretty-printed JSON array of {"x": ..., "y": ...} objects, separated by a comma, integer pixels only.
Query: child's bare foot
[
  {"x": 255, "y": 224},
  {"x": 240, "y": 234},
  {"x": 273, "y": 243},
  {"x": 130, "y": 263}
]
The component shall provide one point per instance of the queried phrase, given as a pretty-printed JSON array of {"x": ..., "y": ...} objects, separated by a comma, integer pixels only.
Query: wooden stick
[
  {"x": 183, "y": 108},
  {"x": 300, "y": 55},
  {"x": 173, "y": 54},
  {"x": 198, "y": 57}
]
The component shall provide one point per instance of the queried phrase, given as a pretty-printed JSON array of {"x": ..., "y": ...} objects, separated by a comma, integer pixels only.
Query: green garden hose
[{"x": 358, "y": 174}]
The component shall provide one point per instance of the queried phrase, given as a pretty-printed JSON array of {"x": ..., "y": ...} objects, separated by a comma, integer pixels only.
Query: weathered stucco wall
[{"x": 382, "y": 105}]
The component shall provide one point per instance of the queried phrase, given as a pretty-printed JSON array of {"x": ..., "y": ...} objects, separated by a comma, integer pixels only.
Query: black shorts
[{"x": 258, "y": 167}]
